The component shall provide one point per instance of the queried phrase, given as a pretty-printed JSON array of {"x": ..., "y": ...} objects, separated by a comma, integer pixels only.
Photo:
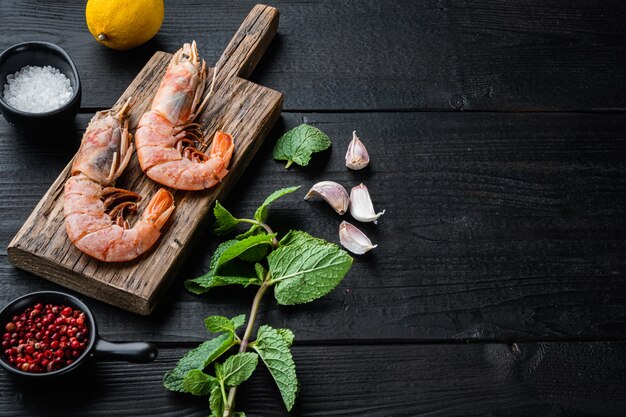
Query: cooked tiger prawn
[
  {"x": 94, "y": 209},
  {"x": 167, "y": 135}
]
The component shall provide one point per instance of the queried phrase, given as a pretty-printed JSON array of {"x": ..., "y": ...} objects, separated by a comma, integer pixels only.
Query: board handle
[{"x": 249, "y": 43}]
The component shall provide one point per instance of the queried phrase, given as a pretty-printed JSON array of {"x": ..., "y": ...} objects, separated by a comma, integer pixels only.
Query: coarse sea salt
[{"x": 37, "y": 89}]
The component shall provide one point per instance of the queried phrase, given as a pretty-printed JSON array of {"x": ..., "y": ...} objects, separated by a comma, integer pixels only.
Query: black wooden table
[{"x": 498, "y": 144}]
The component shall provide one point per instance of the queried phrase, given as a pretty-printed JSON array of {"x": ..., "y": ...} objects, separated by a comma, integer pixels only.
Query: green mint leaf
[
  {"x": 254, "y": 230},
  {"x": 238, "y": 321},
  {"x": 239, "y": 414},
  {"x": 287, "y": 335},
  {"x": 197, "y": 358},
  {"x": 230, "y": 274},
  {"x": 296, "y": 237},
  {"x": 223, "y": 247},
  {"x": 203, "y": 284},
  {"x": 197, "y": 382},
  {"x": 194, "y": 286},
  {"x": 306, "y": 269},
  {"x": 224, "y": 221},
  {"x": 274, "y": 351},
  {"x": 216, "y": 402},
  {"x": 219, "y": 371},
  {"x": 298, "y": 144},
  {"x": 221, "y": 324},
  {"x": 255, "y": 253},
  {"x": 260, "y": 272},
  {"x": 240, "y": 246},
  {"x": 261, "y": 213},
  {"x": 238, "y": 368}
]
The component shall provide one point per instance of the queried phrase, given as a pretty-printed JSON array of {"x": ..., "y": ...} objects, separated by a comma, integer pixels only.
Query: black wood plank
[
  {"x": 498, "y": 227},
  {"x": 374, "y": 55},
  {"x": 544, "y": 379}
]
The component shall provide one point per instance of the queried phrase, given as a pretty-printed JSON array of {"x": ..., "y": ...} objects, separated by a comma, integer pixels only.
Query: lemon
[{"x": 123, "y": 24}]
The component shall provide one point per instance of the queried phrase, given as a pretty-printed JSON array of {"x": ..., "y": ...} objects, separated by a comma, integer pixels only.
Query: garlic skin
[
  {"x": 333, "y": 193},
  {"x": 357, "y": 156},
  {"x": 361, "y": 207},
  {"x": 353, "y": 239}
]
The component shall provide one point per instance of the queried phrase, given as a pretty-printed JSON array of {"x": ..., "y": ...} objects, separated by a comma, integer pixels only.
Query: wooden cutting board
[{"x": 245, "y": 110}]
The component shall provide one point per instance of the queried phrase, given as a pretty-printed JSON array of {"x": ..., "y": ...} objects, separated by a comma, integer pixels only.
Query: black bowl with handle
[
  {"x": 96, "y": 349},
  {"x": 39, "y": 54}
]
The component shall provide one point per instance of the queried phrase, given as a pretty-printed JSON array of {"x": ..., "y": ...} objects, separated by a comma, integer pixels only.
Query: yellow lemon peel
[{"x": 122, "y": 24}]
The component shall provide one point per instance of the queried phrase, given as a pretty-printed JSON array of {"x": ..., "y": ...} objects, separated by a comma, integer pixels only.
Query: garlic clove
[
  {"x": 357, "y": 156},
  {"x": 361, "y": 207},
  {"x": 333, "y": 193},
  {"x": 353, "y": 239}
]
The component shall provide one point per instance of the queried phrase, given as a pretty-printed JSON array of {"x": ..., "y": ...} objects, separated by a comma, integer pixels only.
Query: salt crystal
[{"x": 37, "y": 89}]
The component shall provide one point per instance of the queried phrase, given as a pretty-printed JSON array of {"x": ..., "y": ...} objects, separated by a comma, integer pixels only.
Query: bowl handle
[{"x": 138, "y": 352}]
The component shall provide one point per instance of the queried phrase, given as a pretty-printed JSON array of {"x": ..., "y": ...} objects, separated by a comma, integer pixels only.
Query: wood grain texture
[
  {"x": 499, "y": 226},
  {"x": 373, "y": 55},
  {"x": 245, "y": 110},
  {"x": 521, "y": 380}
]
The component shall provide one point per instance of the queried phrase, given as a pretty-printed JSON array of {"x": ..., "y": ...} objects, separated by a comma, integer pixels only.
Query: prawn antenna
[
  {"x": 130, "y": 102},
  {"x": 209, "y": 94},
  {"x": 213, "y": 80}
]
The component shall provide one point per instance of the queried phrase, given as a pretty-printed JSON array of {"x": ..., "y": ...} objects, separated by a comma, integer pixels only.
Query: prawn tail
[
  {"x": 222, "y": 147},
  {"x": 159, "y": 208}
]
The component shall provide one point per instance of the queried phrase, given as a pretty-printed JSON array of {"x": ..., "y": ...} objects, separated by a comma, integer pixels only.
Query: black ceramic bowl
[
  {"x": 39, "y": 54},
  {"x": 97, "y": 348}
]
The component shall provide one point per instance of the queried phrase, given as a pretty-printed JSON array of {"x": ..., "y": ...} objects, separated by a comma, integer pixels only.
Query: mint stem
[
  {"x": 288, "y": 164},
  {"x": 246, "y": 336},
  {"x": 264, "y": 226}
]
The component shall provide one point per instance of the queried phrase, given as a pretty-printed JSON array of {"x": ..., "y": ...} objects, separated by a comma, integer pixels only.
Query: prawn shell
[
  {"x": 83, "y": 209},
  {"x": 184, "y": 174},
  {"x": 175, "y": 95},
  {"x": 101, "y": 141},
  {"x": 121, "y": 244}
]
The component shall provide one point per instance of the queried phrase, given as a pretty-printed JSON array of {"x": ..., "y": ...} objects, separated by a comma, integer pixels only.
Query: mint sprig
[
  {"x": 298, "y": 144},
  {"x": 300, "y": 267}
]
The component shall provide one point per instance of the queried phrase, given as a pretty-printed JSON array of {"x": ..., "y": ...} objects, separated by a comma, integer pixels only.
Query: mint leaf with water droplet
[{"x": 298, "y": 144}]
